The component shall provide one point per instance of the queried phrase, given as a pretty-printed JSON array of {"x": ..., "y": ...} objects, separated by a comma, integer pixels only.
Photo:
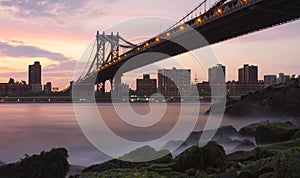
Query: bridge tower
[
  {"x": 106, "y": 50},
  {"x": 104, "y": 43}
]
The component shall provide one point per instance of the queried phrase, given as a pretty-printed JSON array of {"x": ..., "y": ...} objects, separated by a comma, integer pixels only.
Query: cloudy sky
[{"x": 56, "y": 32}]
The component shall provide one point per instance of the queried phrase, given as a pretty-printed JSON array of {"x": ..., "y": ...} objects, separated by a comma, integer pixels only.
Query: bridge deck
[{"x": 236, "y": 21}]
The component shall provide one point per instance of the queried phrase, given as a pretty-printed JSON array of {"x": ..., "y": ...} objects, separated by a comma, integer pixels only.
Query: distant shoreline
[{"x": 68, "y": 99}]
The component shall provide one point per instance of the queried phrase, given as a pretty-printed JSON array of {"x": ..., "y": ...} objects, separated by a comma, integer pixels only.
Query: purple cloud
[
  {"x": 29, "y": 51},
  {"x": 45, "y": 8}
]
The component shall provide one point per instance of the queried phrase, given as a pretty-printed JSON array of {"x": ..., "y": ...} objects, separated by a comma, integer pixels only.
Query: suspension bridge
[{"x": 217, "y": 22}]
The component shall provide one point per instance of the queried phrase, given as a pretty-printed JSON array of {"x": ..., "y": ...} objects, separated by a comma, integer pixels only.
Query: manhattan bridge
[{"x": 215, "y": 20}]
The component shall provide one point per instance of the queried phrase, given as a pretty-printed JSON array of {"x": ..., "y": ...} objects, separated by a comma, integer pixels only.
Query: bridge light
[
  {"x": 245, "y": 1},
  {"x": 147, "y": 44},
  {"x": 157, "y": 39},
  {"x": 219, "y": 10},
  {"x": 138, "y": 48},
  {"x": 181, "y": 27},
  {"x": 125, "y": 55},
  {"x": 168, "y": 34},
  {"x": 199, "y": 20},
  {"x": 119, "y": 58}
]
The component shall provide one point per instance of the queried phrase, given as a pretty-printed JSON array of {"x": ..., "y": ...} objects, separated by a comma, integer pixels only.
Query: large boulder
[
  {"x": 200, "y": 158},
  {"x": 220, "y": 133},
  {"x": 176, "y": 147},
  {"x": 147, "y": 154},
  {"x": 249, "y": 130},
  {"x": 51, "y": 164},
  {"x": 135, "y": 160},
  {"x": 274, "y": 132},
  {"x": 245, "y": 145},
  {"x": 281, "y": 100}
]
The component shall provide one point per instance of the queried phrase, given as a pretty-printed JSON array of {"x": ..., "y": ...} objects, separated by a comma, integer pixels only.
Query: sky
[{"x": 56, "y": 33}]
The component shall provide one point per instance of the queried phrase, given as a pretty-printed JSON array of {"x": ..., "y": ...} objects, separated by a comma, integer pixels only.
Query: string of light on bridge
[
  {"x": 218, "y": 10},
  {"x": 208, "y": 16}
]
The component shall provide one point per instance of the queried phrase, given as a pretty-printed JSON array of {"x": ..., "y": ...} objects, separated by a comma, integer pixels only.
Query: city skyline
[
  {"x": 37, "y": 76},
  {"x": 33, "y": 32}
]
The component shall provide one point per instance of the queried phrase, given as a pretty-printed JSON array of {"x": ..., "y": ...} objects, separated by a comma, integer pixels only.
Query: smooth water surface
[{"x": 31, "y": 128}]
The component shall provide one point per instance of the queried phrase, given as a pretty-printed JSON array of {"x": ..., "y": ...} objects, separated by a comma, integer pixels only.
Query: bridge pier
[
  {"x": 102, "y": 87},
  {"x": 111, "y": 80}
]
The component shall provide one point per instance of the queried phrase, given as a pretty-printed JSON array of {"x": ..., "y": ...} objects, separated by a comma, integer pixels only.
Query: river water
[{"x": 31, "y": 128}]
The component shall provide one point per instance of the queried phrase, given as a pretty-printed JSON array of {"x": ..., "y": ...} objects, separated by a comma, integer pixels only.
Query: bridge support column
[
  {"x": 102, "y": 87},
  {"x": 111, "y": 84}
]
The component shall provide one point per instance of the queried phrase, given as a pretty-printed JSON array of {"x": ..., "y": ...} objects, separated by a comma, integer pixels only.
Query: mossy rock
[
  {"x": 287, "y": 164},
  {"x": 272, "y": 150},
  {"x": 256, "y": 165},
  {"x": 245, "y": 145},
  {"x": 200, "y": 158},
  {"x": 147, "y": 154},
  {"x": 140, "y": 154},
  {"x": 296, "y": 135},
  {"x": 249, "y": 130},
  {"x": 120, "y": 173},
  {"x": 190, "y": 172},
  {"x": 47, "y": 165},
  {"x": 108, "y": 165},
  {"x": 266, "y": 175},
  {"x": 173, "y": 174},
  {"x": 274, "y": 132},
  {"x": 277, "y": 101},
  {"x": 242, "y": 156},
  {"x": 246, "y": 174}
]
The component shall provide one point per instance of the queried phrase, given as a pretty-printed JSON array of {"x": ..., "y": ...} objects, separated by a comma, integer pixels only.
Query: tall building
[
  {"x": 269, "y": 80},
  {"x": 217, "y": 74},
  {"x": 248, "y": 74},
  {"x": 146, "y": 85},
  {"x": 281, "y": 78},
  {"x": 35, "y": 76},
  {"x": 48, "y": 87},
  {"x": 173, "y": 81}
]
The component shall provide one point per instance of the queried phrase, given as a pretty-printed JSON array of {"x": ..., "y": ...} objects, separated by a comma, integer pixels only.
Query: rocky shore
[
  {"x": 264, "y": 150},
  {"x": 275, "y": 101}
]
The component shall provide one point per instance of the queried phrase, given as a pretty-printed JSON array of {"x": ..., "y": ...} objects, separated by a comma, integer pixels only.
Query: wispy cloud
[
  {"x": 40, "y": 8},
  {"x": 21, "y": 50},
  {"x": 52, "y": 8}
]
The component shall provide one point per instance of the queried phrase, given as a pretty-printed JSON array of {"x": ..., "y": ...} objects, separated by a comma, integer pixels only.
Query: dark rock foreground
[
  {"x": 51, "y": 164},
  {"x": 279, "y": 159}
]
